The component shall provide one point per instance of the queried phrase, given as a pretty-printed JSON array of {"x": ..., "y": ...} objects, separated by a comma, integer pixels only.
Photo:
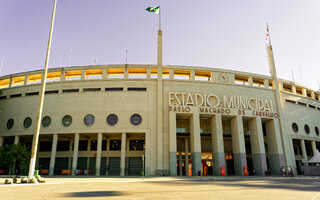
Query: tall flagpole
[{"x": 43, "y": 87}]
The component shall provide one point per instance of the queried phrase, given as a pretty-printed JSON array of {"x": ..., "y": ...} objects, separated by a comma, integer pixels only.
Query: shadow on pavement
[
  {"x": 288, "y": 184},
  {"x": 94, "y": 194}
]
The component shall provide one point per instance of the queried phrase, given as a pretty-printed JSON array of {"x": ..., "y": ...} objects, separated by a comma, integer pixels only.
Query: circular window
[
  {"x": 316, "y": 130},
  {"x": 46, "y": 121},
  {"x": 27, "y": 122},
  {"x": 88, "y": 120},
  {"x": 67, "y": 120},
  {"x": 306, "y": 129},
  {"x": 295, "y": 127},
  {"x": 135, "y": 119},
  {"x": 112, "y": 119},
  {"x": 10, "y": 123}
]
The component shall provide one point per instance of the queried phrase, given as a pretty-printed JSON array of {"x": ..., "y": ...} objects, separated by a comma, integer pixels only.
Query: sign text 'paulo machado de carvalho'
[{"x": 183, "y": 102}]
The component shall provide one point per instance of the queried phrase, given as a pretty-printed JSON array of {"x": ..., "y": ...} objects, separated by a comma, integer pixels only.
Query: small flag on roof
[
  {"x": 155, "y": 9},
  {"x": 267, "y": 35}
]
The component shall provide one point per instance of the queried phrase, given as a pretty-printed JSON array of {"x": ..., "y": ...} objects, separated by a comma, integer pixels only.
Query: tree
[{"x": 14, "y": 156}]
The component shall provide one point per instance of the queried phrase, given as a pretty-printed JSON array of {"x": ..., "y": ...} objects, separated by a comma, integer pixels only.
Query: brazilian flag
[{"x": 154, "y": 9}]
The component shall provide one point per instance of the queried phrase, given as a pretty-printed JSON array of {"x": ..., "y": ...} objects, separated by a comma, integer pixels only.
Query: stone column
[
  {"x": 250, "y": 81},
  {"x": 218, "y": 156},
  {"x": 173, "y": 143},
  {"x": 1, "y": 141},
  {"x": 195, "y": 141},
  {"x": 186, "y": 143},
  {"x": 304, "y": 152},
  {"x": 25, "y": 82},
  {"x": 98, "y": 158},
  {"x": 75, "y": 154},
  {"x": 266, "y": 83},
  {"x": 83, "y": 74},
  {"x": 107, "y": 166},
  {"x": 148, "y": 73},
  {"x": 62, "y": 76},
  {"x": 171, "y": 74},
  {"x": 192, "y": 75},
  {"x": 53, "y": 154},
  {"x": 16, "y": 139},
  {"x": 257, "y": 146},
  {"x": 294, "y": 91},
  {"x": 238, "y": 145},
  {"x": 276, "y": 159},
  {"x": 104, "y": 74},
  {"x": 123, "y": 155}
]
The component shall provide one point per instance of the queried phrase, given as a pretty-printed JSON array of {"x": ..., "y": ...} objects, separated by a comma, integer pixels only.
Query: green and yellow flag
[{"x": 155, "y": 9}]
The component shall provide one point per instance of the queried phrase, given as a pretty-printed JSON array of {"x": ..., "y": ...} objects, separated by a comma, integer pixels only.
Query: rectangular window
[
  {"x": 104, "y": 145},
  {"x": 63, "y": 145},
  {"x": 311, "y": 106},
  {"x": 137, "y": 89},
  {"x": 15, "y": 95},
  {"x": 83, "y": 145},
  {"x": 93, "y": 146},
  {"x": 70, "y": 90},
  {"x": 45, "y": 146},
  {"x": 290, "y": 101},
  {"x": 115, "y": 145},
  {"x": 136, "y": 145},
  {"x": 32, "y": 93},
  {"x": 114, "y": 89},
  {"x": 303, "y": 104},
  {"x": 3, "y": 97},
  {"x": 52, "y": 92},
  {"x": 91, "y": 89}
]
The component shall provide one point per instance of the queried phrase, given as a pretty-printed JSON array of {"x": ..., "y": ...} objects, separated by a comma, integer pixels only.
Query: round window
[
  {"x": 295, "y": 127},
  {"x": 10, "y": 123},
  {"x": 67, "y": 120},
  {"x": 88, "y": 120},
  {"x": 112, "y": 119},
  {"x": 27, "y": 122},
  {"x": 316, "y": 130},
  {"x": 46, "y": 121},
  {"x": 306, "y": 129},
  {"x": 135, "y": 119}
]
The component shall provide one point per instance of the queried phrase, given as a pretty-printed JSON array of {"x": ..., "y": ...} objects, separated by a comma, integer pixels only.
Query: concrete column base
[
  {"x": 196, "y": 163},
  {"x": 51, "y": 171},
  {"x": 173, "y": 163},
  {"x": 275, "y": 162},
  {"x": 240, "y": 161},
  {"x": 218, "y": 161},
  {"x": 260, "y": 163}
]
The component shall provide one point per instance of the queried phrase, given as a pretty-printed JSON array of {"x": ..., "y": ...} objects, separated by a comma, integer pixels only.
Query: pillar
[
  {"x": 186, "y": 143},
  {"x": 173, "y": 144},
  {"x": 304, "y": 92},
  {"x": 218, "y": 156},
  {"x": 107, "y": 166},
  {"x": 304, "y": 152},
  {"x": 276, "y": 159},
  {"x": 195, "y": 141},
  {"x": 294, "y": 91},
  {"x": 126, "y": 72},
  {"x": 16, "y": 139},
  {"x": 53, "y": 154},
  {"x": 250, "y": 81},
  {"x": 123, "y": 154},
  {"x": 314, "y": 149},
  {"x": 238, "y": 145},
  {"x": 75, "y": 154},
  {"x": 98, "y": 158},
  {"x": 62, "y": 76},
  {"x": 25, "y": 80},
  {"x": 104, "y": 74},
  {"x": 192, "y": 75},
  {"x": 266, "y": 83},
  {"x": 171, "y": 74},
  {"x": 257, "y": 146},
  {"x": 148, "y": 73},
  {"x": 83, "y": 74}
]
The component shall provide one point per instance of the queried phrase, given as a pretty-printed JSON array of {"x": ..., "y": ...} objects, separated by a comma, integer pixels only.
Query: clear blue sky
[{"x": 227, "y": 34}]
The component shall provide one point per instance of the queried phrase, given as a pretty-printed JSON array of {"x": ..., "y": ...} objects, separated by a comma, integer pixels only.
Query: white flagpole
[{"x": 44, "y": 79}]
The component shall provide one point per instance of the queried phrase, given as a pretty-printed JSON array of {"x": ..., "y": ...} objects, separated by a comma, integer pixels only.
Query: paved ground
[{"x": 198, "y": 188}]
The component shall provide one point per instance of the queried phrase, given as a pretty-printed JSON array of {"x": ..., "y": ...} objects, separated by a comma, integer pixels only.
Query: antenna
[
  {"x": 70, "y": 56},
  {"x": 292, "y": 75},
  {"x": 95, "y": 61},
  {"x": 63, "y": 60}
]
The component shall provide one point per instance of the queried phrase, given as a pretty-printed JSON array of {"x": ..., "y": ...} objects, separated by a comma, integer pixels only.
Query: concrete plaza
[{"x": 166, "y": 188}]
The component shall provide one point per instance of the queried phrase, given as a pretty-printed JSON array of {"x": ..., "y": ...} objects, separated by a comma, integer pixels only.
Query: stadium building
[{"x": 108, "y": 120}]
